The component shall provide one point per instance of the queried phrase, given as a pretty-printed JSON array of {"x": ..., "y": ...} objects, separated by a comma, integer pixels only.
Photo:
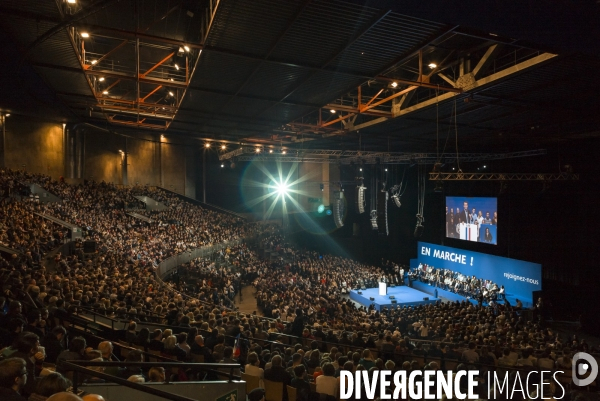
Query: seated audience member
[
  {"x": 156, "y": 375},
  {"x": 327, "y": 383},
  {"x": 53, "y": 343},
  {"x": 131, "y": 334},
  {"x": 277, "y": 373},
  {"x": 172, "y": 349},
  {"x": 75, "y": 352},
  {"x": 128, "y": 371},
  {"x": 228, "y": 358},
  {"x": 155, "y": 343},
  {"x": 253, "y": 368},
  {"x": 198, "y": 348},
  {"x": 13, "y": 377},
  {"x": 300, "y": 383},
  {"x": 136, "y": 379},
  {"x": 49, "y": 385},
  {"x": 27, "y": 345}
]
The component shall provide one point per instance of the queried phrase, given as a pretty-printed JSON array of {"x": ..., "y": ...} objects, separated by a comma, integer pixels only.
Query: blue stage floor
[{"x": 405, "y": 296}]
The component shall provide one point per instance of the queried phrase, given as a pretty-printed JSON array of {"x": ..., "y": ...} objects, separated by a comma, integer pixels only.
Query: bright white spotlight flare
[{"x": 281, "y": 188}]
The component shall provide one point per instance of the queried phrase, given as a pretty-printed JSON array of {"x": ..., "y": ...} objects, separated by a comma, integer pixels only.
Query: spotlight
[
  {"x": 222, "y": 165},
  {"x": 322, "y": 187},
  {"x": 207, "y": 145},
  {"x": 187, "y": 49},
  {"x": 283, "y": 151},
  {"x": 105, "y": 92},
  {"x": 180, "y": 51},
  {"x": 257, "y": 150},
  {"x": 223, "y": 147},
  {"x": 101, "y": 79},
  {"x": 94, "y": 62},
  {"x": 432, "y": 65},
  {"x": 386, "y": 170},
  {"x": 360, "y": 169},
  {"x": 85, "y": 35},
  {"x": 270, "y": 150},
  {"x": 162, "y": 136},
  {"x": 71, "y": 1},
  {"x": 176, "y": 67},
  {"x": 394, "y": 84},
  {"x": 281, "y": 188},
  {"x": 7, "y": 115},
  {"x": 171, "y": 94},
  {"x": 332, "y": 111}
]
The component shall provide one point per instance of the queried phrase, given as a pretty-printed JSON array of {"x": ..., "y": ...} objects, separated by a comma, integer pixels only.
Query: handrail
[
  {"x": 152, "y": 314},
  {"x": 76, "y": 368}
]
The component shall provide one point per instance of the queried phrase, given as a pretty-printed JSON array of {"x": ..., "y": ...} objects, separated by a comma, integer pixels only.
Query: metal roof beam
[{"x": 544, "y": 177}]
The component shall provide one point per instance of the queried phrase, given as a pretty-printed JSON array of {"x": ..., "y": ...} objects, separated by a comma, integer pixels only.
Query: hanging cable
[{"x": 456, "y": 137}]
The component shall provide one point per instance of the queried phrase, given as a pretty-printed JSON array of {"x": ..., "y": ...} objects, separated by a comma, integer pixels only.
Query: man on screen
[
  {"x": 464, "y": 215},
  {"x": 488, "y": 219},
  {"x": 473, "y": 217},
  {"x": 495, "y": 219}
]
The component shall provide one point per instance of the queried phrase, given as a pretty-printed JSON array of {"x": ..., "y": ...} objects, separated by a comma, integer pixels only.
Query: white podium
[
  {"x": 469, "y": 232},
  {"x": 382, "y": 289}
]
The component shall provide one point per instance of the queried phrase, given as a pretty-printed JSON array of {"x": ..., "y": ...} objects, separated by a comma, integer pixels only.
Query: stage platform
[{"x": 405, "y": 296}]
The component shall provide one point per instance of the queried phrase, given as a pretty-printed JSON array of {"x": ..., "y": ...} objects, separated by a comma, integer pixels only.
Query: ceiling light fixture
[
  {"x": 94, "y": 62},
  {"x": 222, "y": 165},
  {"x": 283, "y": 151},
  {"x": 432, "y": 65},
  {"x": 171, "y": 94},
  {"x": 187, "y": 49},
  {"x": 332, "y": 111},
  {"x": 207, "y": 145},
  {"x": 71, "y": 1},
  {"x": 223, "y": 147},
  {"x": 85, "y": 35},
  {"x": 101, "y": 79},
  {"x": 105, "y": 92},
  {"x": 257, "y": 150},
  {"x": 7, "y": 115},
  {"x": 176, "y": 67},
  {"x": 394, "y": 84},
  {"x": 270, "y": 150}
]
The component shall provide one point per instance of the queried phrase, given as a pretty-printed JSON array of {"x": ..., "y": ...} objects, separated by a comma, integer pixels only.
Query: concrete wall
[
  {"x": 174, "y": 167},
  {"x": 41, "y": 147},
  {"x": 34, "y": 146},
  {"x": 143, "y": 162},
  {"x": 317, "y": 174},
  {"x": 103, "y": 162}
]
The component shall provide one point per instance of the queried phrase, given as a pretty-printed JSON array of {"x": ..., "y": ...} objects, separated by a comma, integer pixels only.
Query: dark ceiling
[{"x": 270, "y": 72}]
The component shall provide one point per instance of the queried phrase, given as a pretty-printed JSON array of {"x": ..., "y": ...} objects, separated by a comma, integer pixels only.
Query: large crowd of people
[{"x": 310, "y": 330}]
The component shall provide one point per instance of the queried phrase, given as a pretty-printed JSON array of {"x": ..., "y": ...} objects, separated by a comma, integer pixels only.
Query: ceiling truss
[
  {"x": 258, "y": 153},
  {"x": 544, "y": 177}
]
